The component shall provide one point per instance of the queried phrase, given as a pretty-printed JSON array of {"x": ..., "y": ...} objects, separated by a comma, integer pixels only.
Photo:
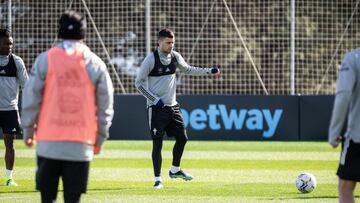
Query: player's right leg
[
  {"x": 158, "y": 120},
  {"x": 157, "y": 161},
  {"x": 346, "y": 191},
  {"x": 10, "y": 126},
  {"x": 9, "y": 159},
  {"x": 9, "y": 150},
  {"x": 47, "y": 178},
  {"x": 348, "y": 170}
]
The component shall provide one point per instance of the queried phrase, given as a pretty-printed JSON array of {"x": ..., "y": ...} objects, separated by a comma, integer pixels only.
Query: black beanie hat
[{"x": 72, "y": 26}]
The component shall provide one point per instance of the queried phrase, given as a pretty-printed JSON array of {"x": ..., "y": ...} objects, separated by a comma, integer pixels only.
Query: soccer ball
[{"x": 305, "y": 182}]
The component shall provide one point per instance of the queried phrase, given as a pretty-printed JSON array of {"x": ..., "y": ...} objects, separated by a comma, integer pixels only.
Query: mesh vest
[
  {"x": 9, "y": 70},
  {"x": 161, "y": 69}
]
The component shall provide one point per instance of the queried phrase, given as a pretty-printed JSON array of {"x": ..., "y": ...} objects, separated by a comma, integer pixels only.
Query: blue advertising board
[
  {"x": 227, "y": 117},
  {"x": 216, "y": 117}
]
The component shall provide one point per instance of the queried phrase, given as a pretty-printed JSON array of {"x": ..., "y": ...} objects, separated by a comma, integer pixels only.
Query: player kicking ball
[{"x": 156, "y": 81}]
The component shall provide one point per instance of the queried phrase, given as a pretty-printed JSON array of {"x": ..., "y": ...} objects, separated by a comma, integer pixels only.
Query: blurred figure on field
[
  {"x": 156, "y": 81},
  {"x": 67, "y": 108},
  {"x": 12, "y": 75},
  {"x": 347, "y": 107}
]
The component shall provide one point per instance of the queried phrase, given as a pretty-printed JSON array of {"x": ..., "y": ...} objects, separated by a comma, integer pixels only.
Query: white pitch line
[{"x": 214, "y": 155}]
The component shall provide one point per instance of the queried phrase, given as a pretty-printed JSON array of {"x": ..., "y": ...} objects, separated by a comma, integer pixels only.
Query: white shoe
[
  {"x": 158, "y": 185},
  {"x": 9, "y": 181}
]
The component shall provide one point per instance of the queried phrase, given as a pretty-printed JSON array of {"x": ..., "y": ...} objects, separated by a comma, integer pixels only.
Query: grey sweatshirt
[
  {"x": 10, "y": 85},
  {"x": 163, "y": 87},
  {"x": 32, "y": 98},
  {"x": 347, "y": 99}
]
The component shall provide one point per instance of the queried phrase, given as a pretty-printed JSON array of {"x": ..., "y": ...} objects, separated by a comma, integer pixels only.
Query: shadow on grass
[
  {"x": 307, "y": 198},
  {"x": 88, "y": 190},
  {"x": 113, "y": 189},
  {"x": 18, "y": 191},
  {"x": 145, "y": 189}
]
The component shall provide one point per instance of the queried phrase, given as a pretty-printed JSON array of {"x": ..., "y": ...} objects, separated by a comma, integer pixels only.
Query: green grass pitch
[{"x": 223, "y": 172}]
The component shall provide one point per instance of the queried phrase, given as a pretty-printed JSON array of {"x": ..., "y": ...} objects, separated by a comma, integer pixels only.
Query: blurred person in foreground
[
  {"x": 347, "y": 107},
  {"x": 156, "y": 81},
  {"x": 67, "y": 108},
  {"x": 12, "y": 75}
]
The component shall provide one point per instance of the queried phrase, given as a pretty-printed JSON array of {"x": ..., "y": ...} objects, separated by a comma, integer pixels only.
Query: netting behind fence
[
  {"x": 325, "y": 31},
  {"x": 206, "y": 35}
]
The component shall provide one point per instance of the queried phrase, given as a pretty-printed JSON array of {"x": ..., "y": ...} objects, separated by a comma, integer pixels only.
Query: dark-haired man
[
  {"x": 69, "y": 98},
  {"x": 12, "y": 74},
  {"x": 157, "y": 83}
]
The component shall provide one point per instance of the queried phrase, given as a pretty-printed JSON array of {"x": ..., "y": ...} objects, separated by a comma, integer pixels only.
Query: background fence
[{"x": 208, "y": 32}]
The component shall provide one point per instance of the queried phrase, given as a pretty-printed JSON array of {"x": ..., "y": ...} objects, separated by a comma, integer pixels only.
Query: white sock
[
  {"x": 158, "y": 179},
  {"x": 174, "y": 169},
  {"x": 8, "y": 173}
]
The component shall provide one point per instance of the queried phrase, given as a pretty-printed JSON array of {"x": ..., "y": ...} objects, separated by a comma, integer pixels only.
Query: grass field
[{"x": 223, "y": 172}]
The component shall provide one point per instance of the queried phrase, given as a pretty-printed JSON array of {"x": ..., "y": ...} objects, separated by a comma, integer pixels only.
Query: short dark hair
[
  {"x": 72, "y": 25},
  {"x": 166, "y": 33},
  {"x": 5, "y": 32}
]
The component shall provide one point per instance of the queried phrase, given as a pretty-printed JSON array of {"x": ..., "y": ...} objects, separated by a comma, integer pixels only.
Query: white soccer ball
[{"x": 305, "y": 182}]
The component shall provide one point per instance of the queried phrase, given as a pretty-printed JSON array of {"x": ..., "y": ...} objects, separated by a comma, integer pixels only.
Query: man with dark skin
[{"x": 12, "y": 74}]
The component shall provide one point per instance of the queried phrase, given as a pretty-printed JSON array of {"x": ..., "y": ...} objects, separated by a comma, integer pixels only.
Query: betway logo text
[{"x": 218, "y": 116}]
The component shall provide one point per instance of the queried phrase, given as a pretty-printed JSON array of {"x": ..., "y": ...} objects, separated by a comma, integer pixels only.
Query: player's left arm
[
  {"x": 104, "y": 101},
  {"x": 21, "y": 72},
  {"x": 344, "y": 88},
  {"x": 193, "y": 70}
]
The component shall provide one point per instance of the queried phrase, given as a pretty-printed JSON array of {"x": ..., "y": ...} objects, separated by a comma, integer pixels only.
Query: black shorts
[
  {"x": 166, "y": 120},
  {"x": 10, "y": 122},
  {"x": 349, "y": 166},
  {"x": 74, "y": 175}
]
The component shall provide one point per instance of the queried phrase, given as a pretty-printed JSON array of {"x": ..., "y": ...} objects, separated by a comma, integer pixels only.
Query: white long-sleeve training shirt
[
  {"x": 347, "y": 99},
  {"x": 32, "y": 98},
  {"x": 154, "y": 88},
  {"x": 9, "y": 86}
]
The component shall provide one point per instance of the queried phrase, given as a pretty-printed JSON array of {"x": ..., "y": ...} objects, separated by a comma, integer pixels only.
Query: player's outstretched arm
[{"x": 193, "y": 70}]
